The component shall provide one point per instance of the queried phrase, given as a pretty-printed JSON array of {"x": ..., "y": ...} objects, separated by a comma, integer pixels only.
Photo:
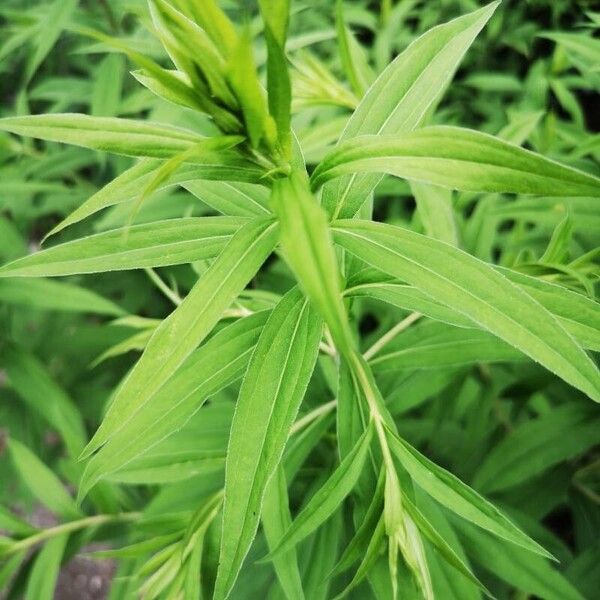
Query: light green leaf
[
  {"x": 178, "y": 335},
  {"x": 458, "y": 497},
  {"x": 269, "y": 399},
  {"x": 275, "y": 16},
  {"x": 231, "y": 198},
  {"x": 476, "y": 290},
  {"x": 329, "y": 497},
  {"x": 308, "y": 249},
  {"x": 216, "y": 364},
  {"x": 44, "y": 573},
  {"x": 121, "y": 136},
  {"x": 243, "y": 79},
  {"x": 158, "y": 244},
  {"x": 409, "y": 298},
  {"x": 402, "y": 96},
  {"x": 54, "y": 295},
  {"x": 457, "y": 158},
  {"x": 41, "y": 481}
]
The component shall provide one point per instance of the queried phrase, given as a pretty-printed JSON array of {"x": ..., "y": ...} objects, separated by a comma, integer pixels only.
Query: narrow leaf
[
  {"x": 458, "y": 497},
  {"x": 477, "y": 291},
  {"x": 179, "y": 334},
  {"x": 329, "y": 497},
  {"x": 457, "y": 158},
  {"x": 269, "y": 399},
  {"x": 158, "y": 244}
]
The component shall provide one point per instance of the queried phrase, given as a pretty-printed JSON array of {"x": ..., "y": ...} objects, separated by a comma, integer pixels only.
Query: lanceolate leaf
[
  {"x": 457, "y": 496},
  {"x": 157, "y": 244},
  {"x": 128, "y": 186},
  {"x": 270, "y": 397},
  {"x": 476, "y": 290},
  {"x": 459, "y": 348},
  {"x": 214, "y": 365},
  {"x": 308, "y": 248},
  {"x": 401, "y": 97},
  {"x": 329, "y": 497},
  {"x": 457, "y": 158},
  {"x": 579, "y": 315},
  {"x": 189, "y": 324},
  {"x": 121, "y": 136}
]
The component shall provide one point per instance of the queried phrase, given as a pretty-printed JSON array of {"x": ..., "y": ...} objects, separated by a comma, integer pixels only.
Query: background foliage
[{"x": 471, "y": 402}]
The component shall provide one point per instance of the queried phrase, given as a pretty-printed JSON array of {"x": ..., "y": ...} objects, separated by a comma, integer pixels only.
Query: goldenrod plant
[{"x": 314, "y": 311}]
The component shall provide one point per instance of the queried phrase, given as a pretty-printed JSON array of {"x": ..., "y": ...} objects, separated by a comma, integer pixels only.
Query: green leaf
[
  {"x": 215, "y": 22},
  {"x": 275, "y": 16},
  {"x": 531, "y": 574},
  {"x": 158, "y": 244},
  {"x": 458, "y": 497},
  {"x": 477, "y": 291},
  {"x": 179, "y": 334},
  {"x": 308, "y": 249},
  {"x": 41, "y": 481},
  {"x": 580, "y": 44},
  {"x": 216, "y": 364},
  {"x": 353, "y": 60},
  {"x": 458, "y": 347},
  {"x": 328, "y": 499},
  {"x": 50, "y": 28},
  {"x": 44, "y": 397},
  {"x": 44, "y": 573},
  {"x": 120, "y": 136},
  {"x": 409, "y": 298},
  {"x": 276, "y": 519},
  {"x": 402, "y": 96},
  {"x": 537, "y": 445},
  {"x": 456, "y": 158},
  {"x": 434, "y": 205},
  {"x": 243, "y": 79},
  {"x": 54, "y": 295},
  {"x": 577, "y": 313},
  {"x": 271, "y": 393},
  {"x": 231, "y": 198}
]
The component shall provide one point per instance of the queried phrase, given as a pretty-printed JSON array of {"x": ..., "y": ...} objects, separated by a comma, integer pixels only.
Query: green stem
[
  {"x": 391, "y": 334},
  {"x": 51, "y": 532}
]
